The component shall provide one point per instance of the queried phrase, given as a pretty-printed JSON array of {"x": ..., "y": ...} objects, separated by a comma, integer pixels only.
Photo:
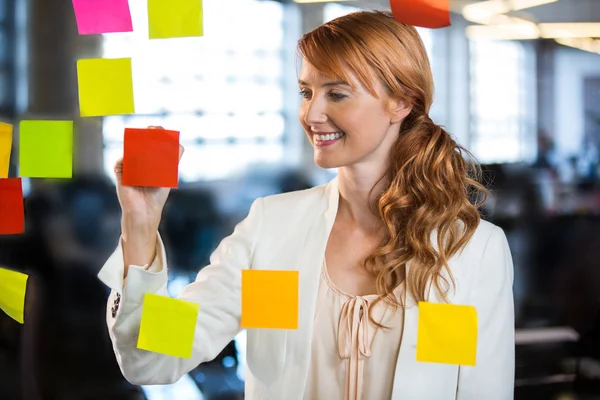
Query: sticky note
[
  {"x": 102, "y": 16},
  {"x": 175, "y": 18},
  {"x": 269, "y": 299},
  {"x": 12, "y": 212},
  {"x": 150, "y": 158},
  {"x": 6, "y": 131},
  {"x": 423, "y": 13},
  {"x": 12, "y": 293},
  {"x": 46, "y": 149},
  {"x": 168, "y": 325},
  {"x": 105, "y": 87},
  {"x": 447, "y": 334}
]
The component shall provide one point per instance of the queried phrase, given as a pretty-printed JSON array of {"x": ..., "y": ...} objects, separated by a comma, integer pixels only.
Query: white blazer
[{"x": 290, "y": 231}]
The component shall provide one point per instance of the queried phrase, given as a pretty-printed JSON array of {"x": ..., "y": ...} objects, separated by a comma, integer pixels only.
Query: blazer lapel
[
  {"x": 416, "y": 380},
  {"x": 309, "y": 264}
]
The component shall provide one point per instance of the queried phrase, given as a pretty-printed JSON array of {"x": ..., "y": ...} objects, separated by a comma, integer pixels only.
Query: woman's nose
[{"x": 314, "y": 113}]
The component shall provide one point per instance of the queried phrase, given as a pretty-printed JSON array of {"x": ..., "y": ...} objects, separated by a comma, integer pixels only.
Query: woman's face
[{"x": 347, "y": 126}]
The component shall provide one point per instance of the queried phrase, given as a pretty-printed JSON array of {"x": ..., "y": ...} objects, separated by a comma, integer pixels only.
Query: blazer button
[{"x": 115, "y": 306}]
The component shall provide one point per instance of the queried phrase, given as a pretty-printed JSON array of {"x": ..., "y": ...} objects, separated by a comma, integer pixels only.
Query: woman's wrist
[{"x": 139, "y": 246}]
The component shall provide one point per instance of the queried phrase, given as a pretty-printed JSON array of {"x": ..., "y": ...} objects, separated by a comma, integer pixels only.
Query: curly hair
[{"x": 432, "y": 196}]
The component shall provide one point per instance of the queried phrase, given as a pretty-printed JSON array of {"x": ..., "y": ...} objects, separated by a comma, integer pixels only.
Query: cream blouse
[{"x": 351, "y": 358}]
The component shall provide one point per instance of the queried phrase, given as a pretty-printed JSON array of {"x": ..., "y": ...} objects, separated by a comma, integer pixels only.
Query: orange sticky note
[
  {"x": 168, "y": 325},
  {"x": 423, "y": 13},
  {"x": 269, "y": 299},
  {"x": 6, "y": 131},
  {"x": 151, "y": 158},
  {"x": 447, "y": 334},
  {"x": 12, "y": 212}
]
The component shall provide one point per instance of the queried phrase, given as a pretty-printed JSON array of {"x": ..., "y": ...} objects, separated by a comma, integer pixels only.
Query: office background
[{"x": 523, "y": 95}]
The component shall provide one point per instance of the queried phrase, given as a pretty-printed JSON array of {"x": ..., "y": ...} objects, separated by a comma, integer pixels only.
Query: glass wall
[{"x": 224, "y": 91}]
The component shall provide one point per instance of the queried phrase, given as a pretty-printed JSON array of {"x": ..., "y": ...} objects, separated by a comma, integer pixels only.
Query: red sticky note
[
  {"x": 151, "y": 158},
  {"x": 102, "y": 16},
  {"x": 12, "y": 213},
  {"x": 423, "y": 13}
]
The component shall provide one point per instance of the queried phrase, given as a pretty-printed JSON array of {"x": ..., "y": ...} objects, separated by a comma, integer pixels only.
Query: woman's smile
[{"x": 327, "y": 139}]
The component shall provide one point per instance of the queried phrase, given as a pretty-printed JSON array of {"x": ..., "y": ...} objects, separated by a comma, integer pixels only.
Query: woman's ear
[{"x": 398, "y": 111}]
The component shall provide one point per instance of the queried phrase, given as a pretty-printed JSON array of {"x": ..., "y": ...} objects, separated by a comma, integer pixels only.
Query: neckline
[{"x": 341, "y": 292}]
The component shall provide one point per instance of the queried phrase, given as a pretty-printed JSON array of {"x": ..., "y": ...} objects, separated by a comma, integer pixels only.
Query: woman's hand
[{"x": 141, "y": 213}]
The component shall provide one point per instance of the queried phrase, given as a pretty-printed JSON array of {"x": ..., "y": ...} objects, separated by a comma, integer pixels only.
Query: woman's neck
[{"x": 355, "y": 202}]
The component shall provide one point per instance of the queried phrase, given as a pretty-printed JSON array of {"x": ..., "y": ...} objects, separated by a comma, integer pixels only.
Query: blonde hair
[{"x": 430, "y": 185}]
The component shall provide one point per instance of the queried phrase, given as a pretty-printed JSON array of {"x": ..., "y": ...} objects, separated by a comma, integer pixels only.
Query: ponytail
[{"x": 431, "y": 184}]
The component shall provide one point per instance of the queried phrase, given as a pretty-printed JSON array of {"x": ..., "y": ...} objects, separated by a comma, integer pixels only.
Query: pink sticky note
[{"x": 102, "y": 16}]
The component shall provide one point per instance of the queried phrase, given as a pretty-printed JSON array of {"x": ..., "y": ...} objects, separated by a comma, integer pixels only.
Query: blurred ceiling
[
  {"x": 559, "y": 11},
  {"x": 574, "y": 23}
]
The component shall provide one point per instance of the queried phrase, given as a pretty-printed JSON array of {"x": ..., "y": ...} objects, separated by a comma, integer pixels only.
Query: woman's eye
[
  {"x": 337, "y": 96},
  {"x": 304, "y": 94}
]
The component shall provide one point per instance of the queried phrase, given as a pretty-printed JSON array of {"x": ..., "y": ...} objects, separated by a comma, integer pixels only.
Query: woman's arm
[
  {"x": 217, "y": 289},
  {"x": 493, "y": 376}
]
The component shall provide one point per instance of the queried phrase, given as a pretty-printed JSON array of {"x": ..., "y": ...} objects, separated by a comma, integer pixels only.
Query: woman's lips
[{"x": 326, "y": 142}]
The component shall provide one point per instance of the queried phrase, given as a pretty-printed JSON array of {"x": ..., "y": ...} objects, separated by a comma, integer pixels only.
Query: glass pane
[
  {"x": 223, "y": 85},
  {"x": 497, "y": 83}
]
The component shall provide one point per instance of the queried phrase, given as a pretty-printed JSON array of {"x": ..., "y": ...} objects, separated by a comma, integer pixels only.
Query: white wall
[{"x": 571, "y": 67}]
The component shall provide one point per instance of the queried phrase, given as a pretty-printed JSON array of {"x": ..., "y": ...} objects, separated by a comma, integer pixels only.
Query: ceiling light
[
  {"x": 319, "y": 1},
  {"x": 569, "y": 30},
  {"x": 516, "y": 5},
  {"x": 513, "y": 29},
  {"x": 586, "y": 44},
  {"x": 485, "y": 11}
]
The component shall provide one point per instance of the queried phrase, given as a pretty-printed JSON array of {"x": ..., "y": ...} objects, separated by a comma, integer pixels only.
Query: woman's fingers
[{"x": 119, "y": 166}]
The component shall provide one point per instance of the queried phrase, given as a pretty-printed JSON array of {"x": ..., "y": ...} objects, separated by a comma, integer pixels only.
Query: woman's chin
[{"x": 326, "y": 164}]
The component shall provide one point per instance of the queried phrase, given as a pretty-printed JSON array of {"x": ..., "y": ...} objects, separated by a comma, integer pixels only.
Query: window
[
  {"x": 11, "y": 25},
  {"x": 224, "y": 92},
  {"x": 502, "y": 122}
]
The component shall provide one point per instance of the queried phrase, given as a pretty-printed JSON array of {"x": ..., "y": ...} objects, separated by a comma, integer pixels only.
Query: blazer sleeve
[
  {"x": 217, "y": 289},
  {"x": 493, "y": 376}
]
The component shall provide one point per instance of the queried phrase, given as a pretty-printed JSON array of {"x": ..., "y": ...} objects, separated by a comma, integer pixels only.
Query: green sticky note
[
  {"x": 105, "y": 87},
  {"x": 447, "y": 334},
  {"x": 168, "y": 325},
  {"x": 175, "y": 18},
  {"x": 46, "y": 149},
  {"x": 12, "y": 293}
]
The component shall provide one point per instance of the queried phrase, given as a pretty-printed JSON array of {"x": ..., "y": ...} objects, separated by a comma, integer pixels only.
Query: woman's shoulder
[
  {"x": 296, "y": 201},
  {"x": 485, "y": 230},
  {"x": 487, "y": 236}
]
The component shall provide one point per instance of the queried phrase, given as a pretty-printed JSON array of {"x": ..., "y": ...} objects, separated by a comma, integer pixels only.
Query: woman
[{"x": 395, "y": 227}]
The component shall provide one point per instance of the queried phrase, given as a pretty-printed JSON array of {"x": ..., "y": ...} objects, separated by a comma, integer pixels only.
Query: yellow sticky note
[
  {"x": 269, "y": 299},
  {"x": 175, "y": 18},
  {"x": 447, "y": 334},
  {"x": 105, "y": 87},
  {"x": 168, "y": 325},
  {"x": 5, "y": 148},
  {"x": 12, "y": 293}
]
